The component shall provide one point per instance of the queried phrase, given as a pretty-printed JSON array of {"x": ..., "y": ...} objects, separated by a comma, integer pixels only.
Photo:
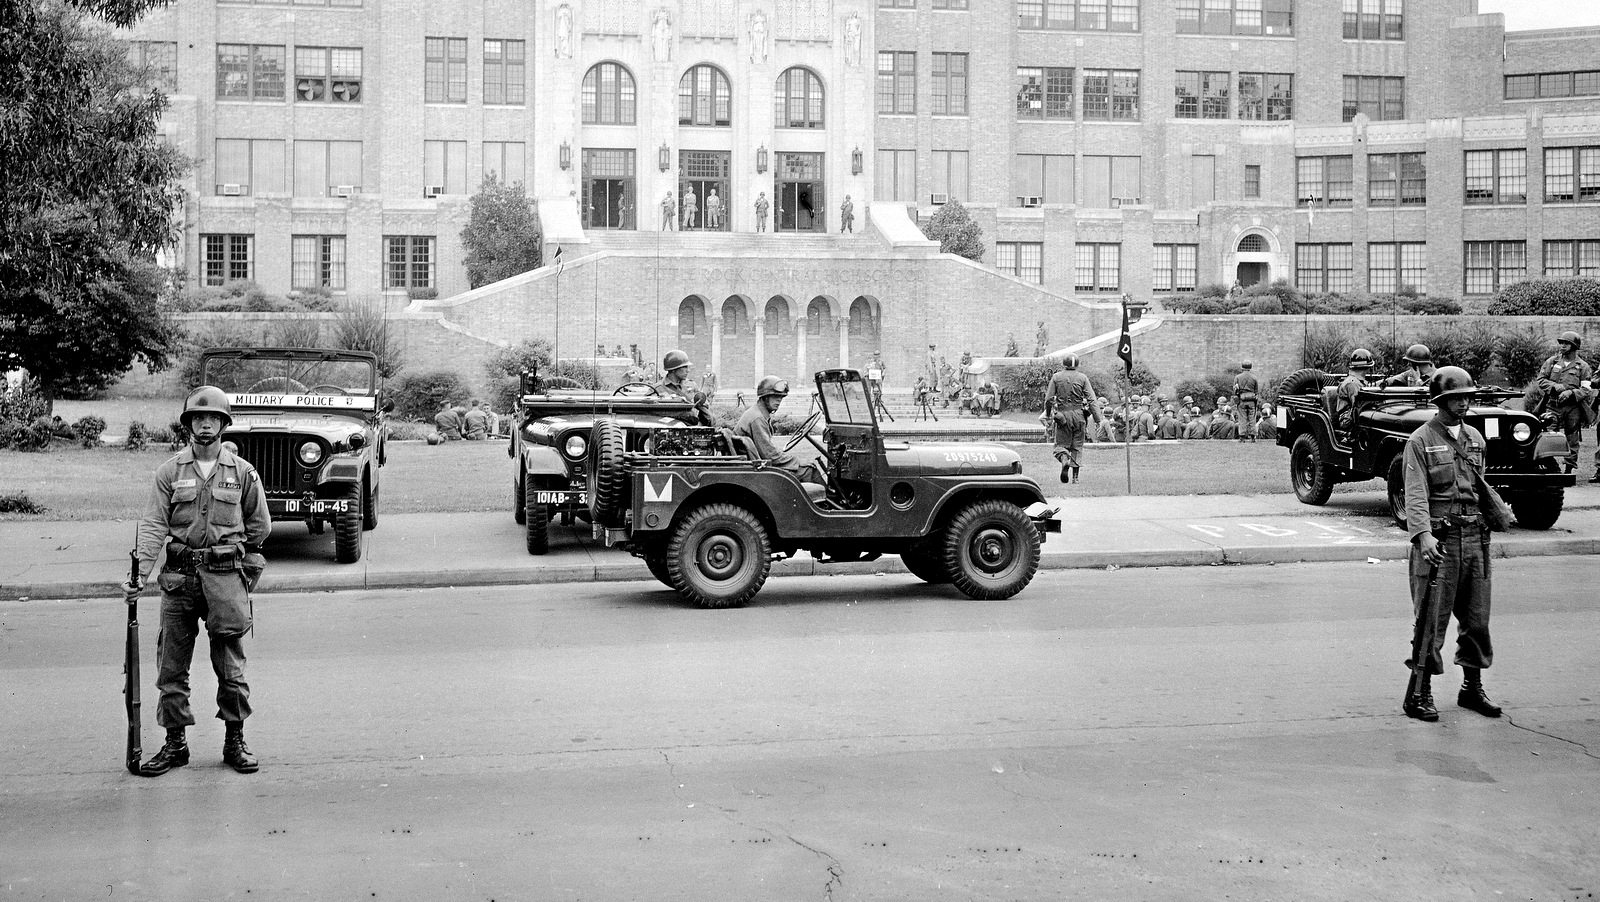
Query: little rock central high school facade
[{"x": 1106, "y": 147}]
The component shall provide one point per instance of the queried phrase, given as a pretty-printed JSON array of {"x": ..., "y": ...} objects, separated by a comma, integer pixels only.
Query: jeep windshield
[
  {"x": 844, "y": 397},
  {"x": 288, "y": 377}
]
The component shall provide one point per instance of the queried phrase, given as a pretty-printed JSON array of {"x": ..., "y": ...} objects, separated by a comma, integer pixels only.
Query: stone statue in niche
[
  {"x": 661, "y": 35},
  {"x": 564, "y": 32},
  {"x": 852, "y": 40},
  {"x": 758, "y": 37}
]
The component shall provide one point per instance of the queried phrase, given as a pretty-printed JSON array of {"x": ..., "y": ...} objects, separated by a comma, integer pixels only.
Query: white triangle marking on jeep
[{"x": 653, "y": 495}]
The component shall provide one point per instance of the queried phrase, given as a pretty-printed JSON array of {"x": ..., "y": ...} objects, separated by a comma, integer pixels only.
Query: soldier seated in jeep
[{"x": 755, "y": 425}]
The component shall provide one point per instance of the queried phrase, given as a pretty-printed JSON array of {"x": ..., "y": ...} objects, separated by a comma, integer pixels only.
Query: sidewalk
[{"x": 59, "y": 559}]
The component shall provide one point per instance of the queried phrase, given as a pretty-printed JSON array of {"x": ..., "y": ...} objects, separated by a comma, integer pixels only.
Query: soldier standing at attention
[
  {"x": 669, "y": 212},
  {"x": 205, "y": 521},
  {"x": 1446, "y": 502},
  {"x": 675, "y": 385},
  {"x": 1566, "y": 384},
  {"x": 762, "y": 206},
  {"x": 1417, "y": 373},
  {"x": 691, "y": 207},
  {"x": 1245, "y": 392},
  {"x": 1070, "y": 401},
  {"x": 847, "y": 215}
]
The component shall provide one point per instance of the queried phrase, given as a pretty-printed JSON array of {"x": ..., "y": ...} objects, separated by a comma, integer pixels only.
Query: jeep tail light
[
  {"x": 576, "y": 446},
  {"x": 310, "y": 453},
  {"x": 1521, "y": 432}
]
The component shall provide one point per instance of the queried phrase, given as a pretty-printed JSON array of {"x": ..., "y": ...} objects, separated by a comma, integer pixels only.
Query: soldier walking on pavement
[
  {"x": 1566, "y": 389},
  {"x": 1069, "y": 399},
  {"x": 675, "y": 385},
  {"x": 204, "y": 522},
  {"x": 1449, "y": 511},
  {"x": 1245, "y": 391}
]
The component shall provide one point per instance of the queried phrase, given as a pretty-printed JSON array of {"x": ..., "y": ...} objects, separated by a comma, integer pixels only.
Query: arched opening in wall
[
  {"x": 735, "y": 318},
  {"x": 692, "y": 317},
  {"x": 776, "y": 317},
  {"x": 819, "y": 319},
  {"x": 1252, "y": 260},
  {"x": 863, "y": 319}
]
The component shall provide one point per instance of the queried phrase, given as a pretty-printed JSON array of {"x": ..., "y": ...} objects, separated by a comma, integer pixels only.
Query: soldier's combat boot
[
  {"x": 1074, "y": 474},
  {"x": 1066, "y": 472},
  {"x": 175, "y": 753},
  {"x": 235, "y": 753},
  {"x": 1596, "y": 476},
  {"x": 1419, "y": 703},
  {"x": 1472, "y": 696}
]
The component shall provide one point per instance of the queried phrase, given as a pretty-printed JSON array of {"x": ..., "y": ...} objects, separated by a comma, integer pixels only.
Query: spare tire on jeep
[
  {"x": 608, "y": 482},
  {"x": 1301, "y": 382}
]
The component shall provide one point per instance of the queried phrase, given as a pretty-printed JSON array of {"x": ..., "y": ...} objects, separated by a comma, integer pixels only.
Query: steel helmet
[
  {"x": 1361, "y": 359},
  {"x": 207, "y": 399},
  {"x": 1070, "y": 361},
  {"x": 771, "y": 385},
  {"x": 1246, "y": 365},
  {"x": 1450, "y": 381},
  {"x": 674, "y": 359},
  {"x": 1571, "y": 338},
  {"x": 1418, "y": 354}
]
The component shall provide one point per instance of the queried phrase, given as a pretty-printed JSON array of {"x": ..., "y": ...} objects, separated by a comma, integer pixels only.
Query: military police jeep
[
  {"x": 1523, "y": 458},
  {"x": 709, "y": 517},
  {"x": 310, "y": 420},
  {"x": 551, "y": 444}
]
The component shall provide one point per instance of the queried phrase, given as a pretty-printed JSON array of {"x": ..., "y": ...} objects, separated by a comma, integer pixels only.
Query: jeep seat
[
  {"x": 736, "y": 444},
  {"x": 1330, "y": 403}
]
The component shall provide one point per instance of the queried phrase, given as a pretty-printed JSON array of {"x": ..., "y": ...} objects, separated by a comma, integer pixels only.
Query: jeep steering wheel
[
  {"x": 277, "y": 382},
  {"x": 805, "y": 435},
  {"x": 637, "y": 389},
  {"x": 331, "y": 388}
]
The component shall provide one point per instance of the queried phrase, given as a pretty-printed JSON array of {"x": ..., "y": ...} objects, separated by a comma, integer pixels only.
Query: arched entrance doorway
[{"x": 1254, "y": 266}]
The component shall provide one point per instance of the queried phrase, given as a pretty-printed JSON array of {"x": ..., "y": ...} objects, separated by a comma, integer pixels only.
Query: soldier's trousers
[
  {"x": 1463, "y": 591},
  {"x": 1070, "y": 429},
  {"x": 181, "y": 614},
  {"x": 1571, "y": 420},
  {"x": 1246, "y": 415}
]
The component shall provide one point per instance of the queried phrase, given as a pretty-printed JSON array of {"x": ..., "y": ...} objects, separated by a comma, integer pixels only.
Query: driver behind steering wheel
[
  {"x": 675, "y": 385},
  {"x": 755, "y": 424}
]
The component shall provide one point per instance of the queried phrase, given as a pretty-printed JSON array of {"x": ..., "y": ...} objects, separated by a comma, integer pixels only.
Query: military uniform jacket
[
  {"x": 1070, "y": 390},
  {"x": 183, "y": 506},
  {"x": 1443, "y": 474},
  {"x": 1567, "y": 374},
  {"x": 1245, "y": 386},
  {"x": 666, "y": 388},
  {"x": 756, "y": 425}
]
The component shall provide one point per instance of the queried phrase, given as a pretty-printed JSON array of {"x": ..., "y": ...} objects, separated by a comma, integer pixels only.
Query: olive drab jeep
[
  {"x": 310, "y": 420},
  {"x": 708, "y": 516},
  {"x": 1522, "y": 461}
]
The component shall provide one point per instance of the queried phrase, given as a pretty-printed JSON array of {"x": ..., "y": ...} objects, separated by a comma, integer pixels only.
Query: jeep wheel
[
  {"x": 657, "y": 562},
  {"x": 925, "y": 560},
  {"x": 347, "y": 527},
  {"x": 991, "y": 550},
  {"x": 606, "y": 477},
  {"x": 369, "y": 508},
  {"x": 1397, "y": 490},
  {"x": 1309, "y": 470},
  {"x": 1300, "y": 382},
  {"x": 1536, "y": 509},
  {"x": 536, "y": 518},
  {"x": 718, "y": 556},
  {"x": 518, "y": 488}
]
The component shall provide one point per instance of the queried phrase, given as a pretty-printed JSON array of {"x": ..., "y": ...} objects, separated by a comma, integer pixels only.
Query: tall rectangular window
[
  {"x": 327, "y": 74},
  {"x": 1266, "y": 96},
  {"x": 1201, "y": 95},
  {"x": 248, "y": 167},
  {"x": 897, "y": 177},
  {"x": 1497, "y": 176},
  {"x": 1176, "y": 267},
  {"x": 250, "y": 72},
  {"x": 408, "y": 261},
  {"x": 158, "y": 60},
  {"x": 1252, "y": 180},
  {"x": 1572, "y": 259},
  {"x": 1492, "y": 265},
  {"x": 1392, "y": 266},
  {"x": 1023, "y": 259},
  {"x": 506, "y": 161},
  {"x": 227, "y": 258},
  {"x": 1571, "y": 174},
  {"x": 1079, "y": 15},
  {"x": 1097, "y": 267},
  {"x": 504, "y": 71},
  {"x": 1044, "y": 93},
  {"x": 950, "y": 173},
  {"x": 1240, "y": 17},
  {"x": 1374, "y": 20},
  {"x": 444, "y": 73},
  {"x": 444, "y": 167},
  {"x": 1380, "y": 97},
  {"x": 1041, "y": 179},
  {"x": 897, "y": 81},
  {"x": 1323, "y": 267},
  {"x": 1396, "y": 178},
  {"x": 327, "y": 168},
  {"x": 1111, "y": 182},
  {"x": 950, "y": 84},
  {"x": 317, "y": 261},
  {"x": 1324, "y": 181},
  {"x": 1552, "y": 84},
  {"x": 1111, "y": 94}
]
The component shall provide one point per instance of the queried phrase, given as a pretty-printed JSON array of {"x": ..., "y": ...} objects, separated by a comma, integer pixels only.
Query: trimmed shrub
[
  {"x": 1265, "y": 304},
  {"x": 23, "y": 404},
  {"x": 418, "y": 396},
  {"x": 35, "y": 436},
  {"x": 137, "y": 437},
  {"x": 1022, "y": 387},
  {"x": 1430, "y": 305},
  {"x": 1548, "y": 297},
  {"x": 88, "y": 429},
  {"x": 19, "y": 503}
]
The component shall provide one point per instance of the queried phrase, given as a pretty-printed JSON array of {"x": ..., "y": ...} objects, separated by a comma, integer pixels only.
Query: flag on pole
[
  {"x": 558, "y": 258},
  {"x": 1125, "y": 343}
]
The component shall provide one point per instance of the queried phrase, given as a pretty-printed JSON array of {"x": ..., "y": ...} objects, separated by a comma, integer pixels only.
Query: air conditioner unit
[
  {"x": 938, "y": 198},
  {"x": 1032, "y": 201},
  {"x": 232, "y": 190},
  {"x": 1124, "y": 201},
  {"x": 345, "y": 190},
  {"x": 433, "y": 191}
]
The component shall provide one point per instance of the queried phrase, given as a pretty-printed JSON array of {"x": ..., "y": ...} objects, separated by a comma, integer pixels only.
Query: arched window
[
  {"x": 609, "y": 95},
  {"x": 691, "y": 317},
  {"x": 777, "y": 316},
  {"x": 862, "y": 321},
  {"x": 704, "y": 97},
  {"x": 817, "y": 316},
  {"x": 797, "y": 99},
  {"x": 1253, "y": 244},
  {"x": 734, "y": 320}
]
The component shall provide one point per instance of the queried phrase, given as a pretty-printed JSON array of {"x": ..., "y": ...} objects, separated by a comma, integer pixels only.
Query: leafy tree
[
  {"x": 503, "y": 237},
  {"x": 955, "y": 231},
  {"x": 87, "y": 197}
]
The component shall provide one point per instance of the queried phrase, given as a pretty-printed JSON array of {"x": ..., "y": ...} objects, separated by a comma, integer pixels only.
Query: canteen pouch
[
  {"x": 254, "y": 564},
  {"x": 223, "y": 558}
]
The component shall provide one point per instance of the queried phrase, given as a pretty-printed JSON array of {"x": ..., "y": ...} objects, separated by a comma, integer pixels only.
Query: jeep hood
[
  {"x": 330, "y": 427},
  {"x": 952, "y": 459}
]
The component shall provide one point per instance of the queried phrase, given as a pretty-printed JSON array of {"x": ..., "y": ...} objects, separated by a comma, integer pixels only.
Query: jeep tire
[
  {"x": 607, "y": 480},
  {"x": 1397, "y": 489},
  {"x": 1301, "y": 382},
  {"x": 1310, "y": 471},
  {"x": 536, "y": 521},
  {"x": 925, "y": 559},
  {"x": 991, "y": 550},
  {"x": 1536, "y": 509},
  {"x": 369, "y": 507},
  {"x": 347, "y": 527},
  {"x": 718, "y": 556},
  {"x": 657, "y": 562},
  {"x": 519, "y": 487}
]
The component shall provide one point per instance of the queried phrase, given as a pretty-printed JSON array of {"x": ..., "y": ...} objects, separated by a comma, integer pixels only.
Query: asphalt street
[{"x": 1154, "y": 733}]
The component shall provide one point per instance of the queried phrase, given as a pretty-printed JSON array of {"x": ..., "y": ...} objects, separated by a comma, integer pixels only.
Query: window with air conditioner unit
[
  {"x": 1031, "y": 201},
  {"x": 938, "y": 198},
  {"x": 1124, "y": 201},
  {"x": 433, "y": 191},
  {"x": 344, "y": 190},
  {"x": 234, "y": 189}
]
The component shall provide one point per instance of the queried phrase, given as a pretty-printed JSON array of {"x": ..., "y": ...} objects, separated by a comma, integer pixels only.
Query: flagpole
[
  {"x": 1125, "y": 351},
  {"x": 555, "y": 346}
]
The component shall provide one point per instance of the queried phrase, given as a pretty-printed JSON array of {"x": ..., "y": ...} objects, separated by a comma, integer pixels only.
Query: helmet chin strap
[{"x": 206, "y": 440}]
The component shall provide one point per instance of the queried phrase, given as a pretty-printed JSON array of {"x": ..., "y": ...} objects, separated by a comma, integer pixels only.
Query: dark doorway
[
  {"x": 801, "y": 200},
  {"x": 608, "y": 190},
  {"x": 1252, "y": 274},
  {"x": 705, "y": 173}
]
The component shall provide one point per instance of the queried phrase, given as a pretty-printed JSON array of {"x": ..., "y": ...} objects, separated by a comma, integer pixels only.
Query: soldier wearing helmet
[
  {"x": 1419, "y": 369},
  {"x": 675, "y": 384},
  {"x": 755, "y": 424},
  {"x": 1361, "y": 364},
  {"x": 1246, "y": 392},
  {"x": 204, "y": 523},
  {"x": 1565, "y": 390},
  {"x": 1069, "y": 400},
  {"x": 1449, "y": 510}
]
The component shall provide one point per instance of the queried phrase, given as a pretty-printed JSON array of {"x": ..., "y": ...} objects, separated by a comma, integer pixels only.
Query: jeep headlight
[
  {"x": 310, "y": 453},
  {"x": 356, "y": 441},
  {"x": 576, "y": 446},
  {"x": 1522, "y": 432}
]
